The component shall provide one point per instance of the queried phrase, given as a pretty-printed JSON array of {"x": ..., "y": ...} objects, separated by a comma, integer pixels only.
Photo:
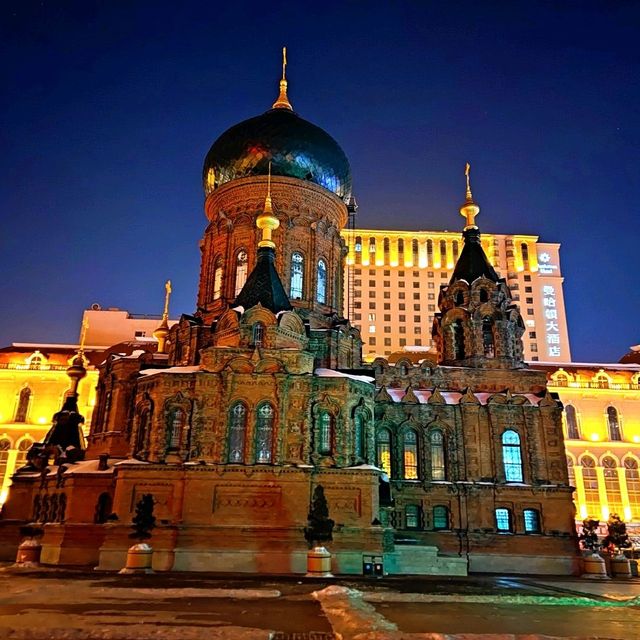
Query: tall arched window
[
  {"x": 217, "y": 279},
  {"x": 401, "y": 252},
  {"x": 325, "y": 433},
  {"x": 383, "y": 450},
  {"x": 176, "y": 426},
  {"x": 5, "y": 445},
  {"x": 386, "y": 246},
  {"x": 632, "y": 477},
  {"x": 23, "y": 448},
  {"x": 590, "y": 483},
  {"x": 23, "y": 405},
  {"x": 512, "y": 456},
  {"x": 321, "y": 290},
  {"x": 358, "y": 434},
  {"x": 459, "y": 298},
  {"x": 438, "y": 470},
  {"x": 613, "y": 424},
  {"x": 144, "y": 420},
  {"x": 258, "y": 334},
  {"x": 372, "y": 250},
  {"x": 525, "y": 255},
  {"x": 237, "y": 432},
  {"x": 456, "y": 250},
  {"x": 297, "y": 276},
  {"x": 572, "y": 422},
  {"x": 612, "y": 485},
  {"x": 410, "y": 455},
  {"x": 264, "y": 433},
  {"x": 487, "y": 338},
  {"x": 443, "y": 253},
  {"x": 458, "y": 340},
  {"x": 241, "y": 270},
  {"x": 484, "y": 295},
  {"x": 430, "y": 252},
  {"x": 415, "y": 252},
  {"x": 358, "y": 250}
]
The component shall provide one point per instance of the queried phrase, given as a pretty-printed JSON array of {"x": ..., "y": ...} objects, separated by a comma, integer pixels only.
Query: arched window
[
  {"x": 358, "y": 434},
  {"x": 430, "y": 252},
  {"x": 176, "y": 426},
  {"x": 383, "y": 450},
  {"x": 410, "y": 455},
  {"x": 237, "y": 432},
  {"x": 459, "y": 298},
  {"x": 415, "y": 251},
  {"x": 241, "y": 270},
  {"x": 590, "y": 483},
  {"x": 571, "y": 472},
  {"x": 412, "y": 516},
  {"x": 144, "y": 420},
  {"x": 613, "y": 424},
  {"x": 358, "y": 250},
  {"x": 297, "y": 276},
  {"x": 561, "y": 379},
  {"x": 438, "y": 469},
  {"x": 458, "y": 340},
  {"x": 443, "y": 253},
  {"x": 325, "y": 433},
  {"x": 386, "y": 245},
  {"x": 504, "y": 521},
  {"x": 601, "y": 381},
  {"x": 531, "y": 521},
  {"x": 512, "y": 456},
  {"x": 572, "y": 422},
  {"x": 321, "y": 291},
  {"x": 264, "y": 433},
  {"x": 258, "y": 334},
  {"x": 525, "y": 255},
  {"x": 372, "y": 250},
  {"x": 456, "y": 251},
  {"x": 23, "y": 405},
  {"x": 612, "y": 485},
  {"x": 103, "y": 508},
  {"x": 36, "y": 361},
  {"x": 632, "y": 477},
  {"x": 401, "y": 252},
  {"x": 5, "y": 445},
  {"x": 23, "y": 448},
  {"x": 217, "y": 279},
  {"x": 440, "y": 517},
  {"x": 487, "y": 338},
  {"x": 484, "y": 295}
]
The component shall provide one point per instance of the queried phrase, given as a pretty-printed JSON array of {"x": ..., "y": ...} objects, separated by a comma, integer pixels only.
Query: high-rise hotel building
[{"x": 393, "y": 279}]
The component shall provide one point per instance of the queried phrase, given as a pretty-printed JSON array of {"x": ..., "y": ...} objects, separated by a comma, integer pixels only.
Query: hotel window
[
  {"x": 416, "y": 296},
  {"x": 401, "y": 274},
  {"x": 358, "y": 272},
  {"x": 414, "y": 246},
  {"x": 612, "y": 485},
  {"x": 430, "y": 285},
  {"x": 571, "y": 418},
  {"x": 531, "y": 521},
  {"x": 237, "y": 432},
  {"x": 387, "y": 306},
  {"x": 372, "y": 251},
  {"x": 401, "y": 295},
  {"x": 321, "y": 291},
  {"x": 402, "y": 318},
  {"x": 438, "y": 471},
  {"x": 440, "y": 517},
  {"x": 525, "y": 255},
  {"x": 386, "y": 283},
  {"x": 533, "y": 347},
  {"x": 387, "y": 272},
  {"x": 430, "y": 254},
  {"x": 633, "y": 486},
  {"x": 386, "y": 295},
  {"x": 527, "y": 278},
  {"x": 417, "y": 330},
  {"x": 325, "y": 433},
  {"x": 590, "y": 483},
  {"x": 372, "y": 283},
  {"x": 357, "y": 316},
  {"x": 386, "y": 250},
  {"x": 528, "y": 289},
  {"x": 416, "y": 307},
  {"x": 412, "y": 516},
  {"x": 410, "y": 455},
  {"x": 401, "y": 306},
  {"x": 402, "y": 329},
  {"x": 418, "y": 342},
  {"x": 241, "y": 270},
  {"x": 372, "y": 317},
  {"x": 372, "y": 294},
  {"x": 503, "y": 520},
  {"x": 217, "y": 278},
  {"x": 529, "y": 312},
  {"x": 529, "y": 300},
  {"x": 387, "y": 342},
  {"x": 372, "y": 342},
  {"x": 23, "y": 405},
  {"x": 357, "y": 304},
  {"x": 403, "y": 341},
  {"x": 430, "y": 273},
  {"x": 416, "y": 285},
  {"x": 443, "y": 253},
  {"x": 512, "y": 456},
  {"x": 383, "y": 450},
  {"x": 401, "y": 285},
  {"x": 431, "y": 307},
  {"x": 613, "y": 424},
  {"x": 455, "y": 251},
  {"x": 387, "y": 317},
  {"x": 358, "y": 245},
  {"x": 372, "y": 272},
  {"x": 532, "y": 335},
  {"x": 401, "y": 251},
  {"x": 264, "y": 433},
  {"x": 431, "y": 296},
  {"x": 297, "y": 276},
  {"x": 444, "y": 275}
]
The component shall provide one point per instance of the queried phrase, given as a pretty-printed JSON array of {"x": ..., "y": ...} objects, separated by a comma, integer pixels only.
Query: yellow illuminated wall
[
  {"x": 33, "y": 383},
  {"x": 602, "y": 437}
]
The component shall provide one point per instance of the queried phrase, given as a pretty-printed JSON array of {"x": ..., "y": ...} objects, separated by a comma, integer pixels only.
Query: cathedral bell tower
[{"x": 478, "y": 325}]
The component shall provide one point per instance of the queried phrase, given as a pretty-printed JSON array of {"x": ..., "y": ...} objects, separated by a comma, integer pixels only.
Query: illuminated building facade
[
  {"x": 602, "y": 436},
  {"x": 261, "y": 395},
  {"x": 393, "y": 279}
]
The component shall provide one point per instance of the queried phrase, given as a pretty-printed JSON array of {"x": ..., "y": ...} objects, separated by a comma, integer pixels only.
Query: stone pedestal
[
  {"x": 29, "y": 553},
  {"x": 139, "y": 558},
  {"x": 594, "y": 567},
  {"x": 319, "y": 563}
]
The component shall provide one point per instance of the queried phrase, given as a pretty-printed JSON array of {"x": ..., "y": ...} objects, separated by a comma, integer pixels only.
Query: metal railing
[
  {"x": 616, "y": 386},
  {"x": 33, "y": 367}
]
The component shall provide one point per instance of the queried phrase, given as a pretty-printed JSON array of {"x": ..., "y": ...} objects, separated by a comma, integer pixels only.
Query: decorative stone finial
[
  {"x": 267, "y": 221},
  {"x": 469, "y": 209},
  {"x": 161, "y": 333},
  {"x": 283, "y": 101}
]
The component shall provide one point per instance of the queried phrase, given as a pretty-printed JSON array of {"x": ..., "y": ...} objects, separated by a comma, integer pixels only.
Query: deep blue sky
[{"x": 108, "y": 109}]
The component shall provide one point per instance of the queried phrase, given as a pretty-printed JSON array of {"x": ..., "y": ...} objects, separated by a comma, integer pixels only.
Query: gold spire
[
  {"x": 469, "y": 209},
  {"x": 283, "y": 101},
  {"x": 161, "y": 333},
  {"x": 267, "y": 221}
]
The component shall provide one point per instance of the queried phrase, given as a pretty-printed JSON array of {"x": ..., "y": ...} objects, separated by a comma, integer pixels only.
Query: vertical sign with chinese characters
[{"x": 551, "y": 325}]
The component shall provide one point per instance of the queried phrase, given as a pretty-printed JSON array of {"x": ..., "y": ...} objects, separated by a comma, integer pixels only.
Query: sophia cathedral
[{"x": 450, "y": 464}]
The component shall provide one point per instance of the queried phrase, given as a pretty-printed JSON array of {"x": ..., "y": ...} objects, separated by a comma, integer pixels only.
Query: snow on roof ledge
[
  {"x": 152, "y": 372},
  {"x": 331, "y": 373}
]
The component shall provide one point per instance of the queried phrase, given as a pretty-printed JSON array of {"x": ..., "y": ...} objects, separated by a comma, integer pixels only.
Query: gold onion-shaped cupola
[
  {"x": 161, "y": 333},
  {"x": 283, "y": 100}
]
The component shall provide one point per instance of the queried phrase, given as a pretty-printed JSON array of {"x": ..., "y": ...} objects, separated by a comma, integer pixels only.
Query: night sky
[{"x": 108, "y": 109}]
